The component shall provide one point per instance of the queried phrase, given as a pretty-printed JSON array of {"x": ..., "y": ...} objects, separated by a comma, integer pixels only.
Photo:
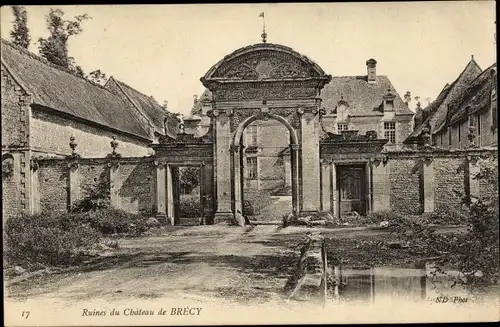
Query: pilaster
[
  {"x": 325, "y": 186},
  {"x": 381, "y": 186},
  {"x": 310, "y": 167},
  {"x": 223, "y": 166},
  {"x": 473, "y": 170},
  {"x": 161, "y": 188},
  {"x": 428, "y": 179}
]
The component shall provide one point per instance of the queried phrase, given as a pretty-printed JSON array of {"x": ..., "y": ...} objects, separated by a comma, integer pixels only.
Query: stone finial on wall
[
  {"x": 73, "y": 145},
  {"x": 74, "y": 156},
  {"x": 113, "y": 154}
]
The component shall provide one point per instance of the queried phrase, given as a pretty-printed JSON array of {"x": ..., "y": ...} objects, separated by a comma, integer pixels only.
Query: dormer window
[
  {"x": 342, "y": 115},
  {"x": 389, "y": 101}
]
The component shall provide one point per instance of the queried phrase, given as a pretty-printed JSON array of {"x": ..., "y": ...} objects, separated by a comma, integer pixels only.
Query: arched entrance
[
  {"x": 237, "y": 159},
  {"x": 265, "y": 81}
]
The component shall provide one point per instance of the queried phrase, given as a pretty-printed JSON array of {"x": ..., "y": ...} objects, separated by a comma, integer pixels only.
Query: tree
[
  {"x": 417, "y": 98},
  {"x": 98, "y": 77},
  {"x": 407, "y": 97},
  {"x": 55, "y": 47},
  {"x": 189, "y": 179},
  {"x": 20, "y": 33}
]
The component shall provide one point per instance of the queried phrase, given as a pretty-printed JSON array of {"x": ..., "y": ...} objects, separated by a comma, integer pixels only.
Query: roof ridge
[
  {"x": 133, "y": 88},
  {"x": 48, "y": 63}
]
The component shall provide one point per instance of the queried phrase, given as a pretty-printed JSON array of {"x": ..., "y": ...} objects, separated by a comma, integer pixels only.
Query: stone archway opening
[{"x": 252, "y": 170}]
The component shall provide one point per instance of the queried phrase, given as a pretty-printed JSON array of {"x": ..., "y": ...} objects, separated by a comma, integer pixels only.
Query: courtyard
[{"x": 203, "y": 266}]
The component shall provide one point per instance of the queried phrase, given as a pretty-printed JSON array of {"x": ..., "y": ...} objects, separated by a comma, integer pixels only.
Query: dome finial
[{"x": 264, "y": 34}]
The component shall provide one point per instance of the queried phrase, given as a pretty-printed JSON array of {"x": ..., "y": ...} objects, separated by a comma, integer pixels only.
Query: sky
[{"x": 164, "y": 50}]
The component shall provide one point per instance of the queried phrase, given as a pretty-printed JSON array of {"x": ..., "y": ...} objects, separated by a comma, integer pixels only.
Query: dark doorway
[
  {"x": 352, "y": 189},
  {"x": 188, "y": 200}
]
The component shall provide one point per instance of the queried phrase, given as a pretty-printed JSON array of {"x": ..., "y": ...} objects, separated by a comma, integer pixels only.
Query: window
[
  {"x": 471, "y": 120},
  {"x": 449, "y": 136},
  {"x": 389, "y": 105},
  {"x": 390, "y": 131},
  {"x": 342, "y": 127},
  {"x": 252, "y": 167},
  {"x": 252, "y": 135},
  {"x": 459, "y": 137}
]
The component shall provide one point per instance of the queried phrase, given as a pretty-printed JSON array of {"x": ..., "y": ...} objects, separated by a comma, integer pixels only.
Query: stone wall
[
  {"x": 137, "y": 191},
  {"x": 446, "y": 176},
  {"x": 405, "y": 185},
  {"x": 15, "y": 113},
  {"x": 131, "y": 184},
  {"x": 411, "y": 181},
  {"x": 450, "y": 182},
  {"x": 53, "y": 186},
  {"x": 50, "y": 134}
]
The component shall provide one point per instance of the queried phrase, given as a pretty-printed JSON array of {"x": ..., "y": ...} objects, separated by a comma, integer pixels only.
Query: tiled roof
[
  {"x": 153, "y": 111},
  {"x": 437, "y": 111},
  {"x": 53, "y": 87},
  {"x": 364, "y": 98},
  {"x": 476, "y": 97}
]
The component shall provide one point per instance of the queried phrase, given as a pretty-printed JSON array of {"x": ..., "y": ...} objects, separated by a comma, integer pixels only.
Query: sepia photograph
[{"x": 271, "y": 163}]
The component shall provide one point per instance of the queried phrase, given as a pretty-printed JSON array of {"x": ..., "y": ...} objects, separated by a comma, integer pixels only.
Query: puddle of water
[{"x": 369, "y": 284}]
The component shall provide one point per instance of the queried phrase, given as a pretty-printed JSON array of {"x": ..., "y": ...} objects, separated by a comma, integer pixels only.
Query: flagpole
[{"x": 264, "y": 34}]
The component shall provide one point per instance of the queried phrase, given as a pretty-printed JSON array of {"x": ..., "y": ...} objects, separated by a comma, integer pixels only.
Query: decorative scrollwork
[
  {"x": 263, "y": 93},
  {"x": 265, "y": 65},
  {"x": 34, "y": 164}
]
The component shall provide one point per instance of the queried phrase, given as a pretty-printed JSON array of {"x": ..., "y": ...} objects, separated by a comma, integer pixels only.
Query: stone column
[
  {"x": 169, "y": 190},
  {"x": 428, "y": 179},
  {"x": 161, "y": 196},
  {"x": 310, "y": 166},
  {"x": 287, "y": 171},
  {"x": 294, "y": 162},
  {"x": 35, "y": 187},
  {"x": 223, "y": 167},
  {"x": 115, "y": 184},
  {"x": 381, "y": 185},
  {"x": 73, "y": 185},
  {"x": 335, "y": 193},
  {"x": 238, "y": 204},
  {"x": 472, "y": 172},
  {"x": 368, "y": 170},
  {"x": 325, "y": 186}
]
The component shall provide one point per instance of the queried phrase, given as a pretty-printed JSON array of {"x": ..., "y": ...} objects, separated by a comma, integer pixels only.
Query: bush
[
  {"x": 62, "y": 239},
  {"x": 32, "y": 239},
  {"x": 448, "y": 216},
  {"x": 255, "y": 201},
  {"x": 380, "y": 216},
  {"x": 97, "y": 197},
  {"x": 116, "y": 221},
  {"x": 190, "y": 206},
  {"x": 309, "y": 219}
]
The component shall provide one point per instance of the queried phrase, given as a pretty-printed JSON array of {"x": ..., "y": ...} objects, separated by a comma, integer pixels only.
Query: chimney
[
  {"x": 371, "y": 69},
  {"x": 195, "y": 99}
]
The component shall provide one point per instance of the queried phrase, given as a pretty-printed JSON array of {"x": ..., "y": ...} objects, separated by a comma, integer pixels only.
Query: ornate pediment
[
  {"x": 260, "y": 66},
  {"x": 264, "y": 62}
]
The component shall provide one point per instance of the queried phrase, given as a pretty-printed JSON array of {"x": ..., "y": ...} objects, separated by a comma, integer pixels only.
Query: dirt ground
[{"x": 241, "y": 265}]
